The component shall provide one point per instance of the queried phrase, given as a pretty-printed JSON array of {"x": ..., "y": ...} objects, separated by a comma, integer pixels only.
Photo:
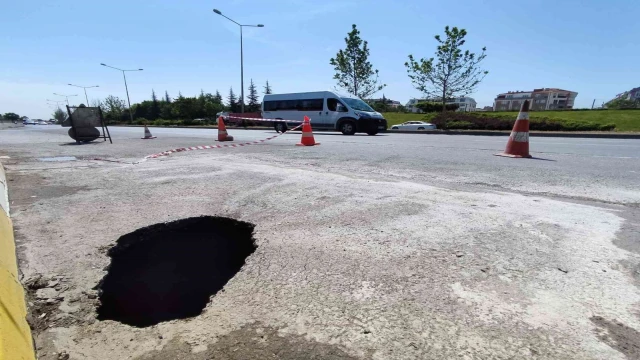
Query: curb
[
  {"x": 585, "y": 135},
  {"x": 531, "y": 133},
  {"x": 15, "y": 334}
]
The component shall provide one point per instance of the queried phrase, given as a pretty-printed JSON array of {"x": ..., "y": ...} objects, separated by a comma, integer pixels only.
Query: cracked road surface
[{"x": 390, "y": 247}]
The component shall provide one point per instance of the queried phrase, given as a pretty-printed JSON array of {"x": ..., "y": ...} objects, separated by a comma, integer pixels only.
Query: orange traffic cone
[
  {"x": 307, "y": 134},
  {"x": 147, "y": 133},
  {"x": 518, "y": 144},
  {"x": 222, "y": 131}
]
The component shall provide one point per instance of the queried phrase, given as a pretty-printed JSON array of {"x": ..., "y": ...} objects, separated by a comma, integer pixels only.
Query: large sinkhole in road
[{"x": 170, "y": 270}]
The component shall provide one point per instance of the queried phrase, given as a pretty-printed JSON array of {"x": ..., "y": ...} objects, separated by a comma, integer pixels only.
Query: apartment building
[
  {"x": 633, "y": 94},
  {"x": 540, "y": 99},
  {"x": 464, "y": 103}
]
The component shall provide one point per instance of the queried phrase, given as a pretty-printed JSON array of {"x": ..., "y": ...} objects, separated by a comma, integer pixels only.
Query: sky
[{"x": 588, "y": 46}]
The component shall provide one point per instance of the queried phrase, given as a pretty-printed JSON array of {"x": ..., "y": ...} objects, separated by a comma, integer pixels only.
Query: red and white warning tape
[{"x": 204, "y": 147}]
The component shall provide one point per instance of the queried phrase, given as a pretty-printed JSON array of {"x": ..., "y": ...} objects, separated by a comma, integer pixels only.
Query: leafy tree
[
  {"x": 185, "y": 107},
  {"x": 59, "y": 115},
  {"x": 354, "y": 72},
  {"x": 232, "y": 101},
  {"x": 114, "y": 107},
  {"x": 267, "y": 89},
  {"x": 212, "y": 106},
  {"x": 254, "y": 103},
  {"x": 166, "y": 97},
  {"x": 154, "y": 111},
  {"x": 455, "y": 73},
  {"x": 96, "y": 103},
  {"x": 142, "y": 110},
  {"x": 11, "y": 116},
  {"x": 166, "y": 110}
]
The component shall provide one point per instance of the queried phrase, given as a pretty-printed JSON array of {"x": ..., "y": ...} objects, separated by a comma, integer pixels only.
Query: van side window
[
  {"x": 332, "y": 105},
  {"x": 292, "y": 105},
  {"x": 310, "y": 105},
  {"x": 270, "y": 106}
]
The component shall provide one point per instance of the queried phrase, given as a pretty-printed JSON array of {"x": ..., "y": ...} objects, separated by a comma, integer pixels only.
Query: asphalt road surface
[{"x": 396, "y": 246}]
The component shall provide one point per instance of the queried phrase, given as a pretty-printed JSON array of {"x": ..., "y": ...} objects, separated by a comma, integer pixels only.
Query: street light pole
[
  {"x": 125, "y": 86},
  {"x": 241, "y": 75},
  {"x": 241, "y": 56},
  {"x": 65, "y": 96},
  {"x": 85, "y": 90}
]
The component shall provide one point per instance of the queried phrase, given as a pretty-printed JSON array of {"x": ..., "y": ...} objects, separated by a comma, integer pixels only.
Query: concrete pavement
[{"x": 387, "y": 247}]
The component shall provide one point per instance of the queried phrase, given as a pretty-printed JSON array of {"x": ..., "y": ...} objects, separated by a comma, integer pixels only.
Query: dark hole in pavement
[{"x": 169, "y": 271}]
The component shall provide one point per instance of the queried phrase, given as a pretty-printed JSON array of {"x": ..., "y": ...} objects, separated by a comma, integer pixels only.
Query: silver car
[{"x": 414, "y": 126}]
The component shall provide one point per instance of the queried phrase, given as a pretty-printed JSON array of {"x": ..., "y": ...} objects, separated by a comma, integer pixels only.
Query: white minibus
[{"x": 326, "y": 109}]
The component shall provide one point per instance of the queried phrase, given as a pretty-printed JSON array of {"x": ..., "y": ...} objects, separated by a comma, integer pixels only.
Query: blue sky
[{"x": 588, "y": 46}]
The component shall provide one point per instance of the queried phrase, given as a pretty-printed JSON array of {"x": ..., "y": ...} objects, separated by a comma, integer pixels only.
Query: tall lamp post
[
  {"x": 55, "y": 102},
  {"x": 66, "y": 97},
  {"x": 125, "y": 86},
  {"x": 241, "y": 55},
  {"x": 85, "y": 90}
]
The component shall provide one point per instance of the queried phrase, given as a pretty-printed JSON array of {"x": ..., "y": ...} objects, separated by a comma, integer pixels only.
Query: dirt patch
[
  {"x": 170, "y": 270},
  {"x": 618, "y": 336},
  {"x": 53, "y": 304},
  {"x": 252, "y": 342}
]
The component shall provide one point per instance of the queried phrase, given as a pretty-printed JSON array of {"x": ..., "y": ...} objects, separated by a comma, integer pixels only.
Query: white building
[
  {"x": 541, "y": 99},
  {"x": 464, "y": 103}
]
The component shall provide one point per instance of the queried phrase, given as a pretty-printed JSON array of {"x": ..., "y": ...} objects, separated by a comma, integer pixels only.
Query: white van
[{"x": 326, "y": 109}]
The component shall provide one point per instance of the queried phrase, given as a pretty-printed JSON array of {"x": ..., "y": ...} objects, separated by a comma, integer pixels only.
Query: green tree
[
  {"x": 142, "y": 109},
  {"x": 96, "y": 103},
  {"x": 166, "y": 97},
  {"x": 11, "y": 116},
  {"x": 456, "y": 73},
  {"x": 185, "y": 107},
  {"x": 59, "y": 115},
  {"x": 217, "y": 97},
  {"x": 254, "y": 101},
  {"x": 384, "y": 104},
  {"x": 201, "y": 104},
  {"x": 353, "y": 70},
  {"x": 232, "y": 101},
  {"x": 154, "y": 111},
  {"x": 213, "y": 105},
  {"x": 114, "y": 108},
  {"x": 267, "y": 89}
]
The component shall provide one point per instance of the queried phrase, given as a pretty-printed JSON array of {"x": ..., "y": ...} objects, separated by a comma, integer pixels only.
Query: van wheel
[
  {"x": 348, "y": 127},
  {"x": 280, "y": 127}
]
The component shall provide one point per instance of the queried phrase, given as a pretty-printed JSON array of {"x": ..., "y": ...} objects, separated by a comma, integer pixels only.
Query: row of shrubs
[
  {"x": 468, "y": 121},
  {"x": 163, "y": 122}
]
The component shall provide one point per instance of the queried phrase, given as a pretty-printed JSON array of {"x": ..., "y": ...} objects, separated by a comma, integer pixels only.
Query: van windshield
[{"x": 357, "y": 104}]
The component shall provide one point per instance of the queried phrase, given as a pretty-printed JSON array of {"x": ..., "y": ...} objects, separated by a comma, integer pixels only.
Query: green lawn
[{"x": 625, "y": 120}]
